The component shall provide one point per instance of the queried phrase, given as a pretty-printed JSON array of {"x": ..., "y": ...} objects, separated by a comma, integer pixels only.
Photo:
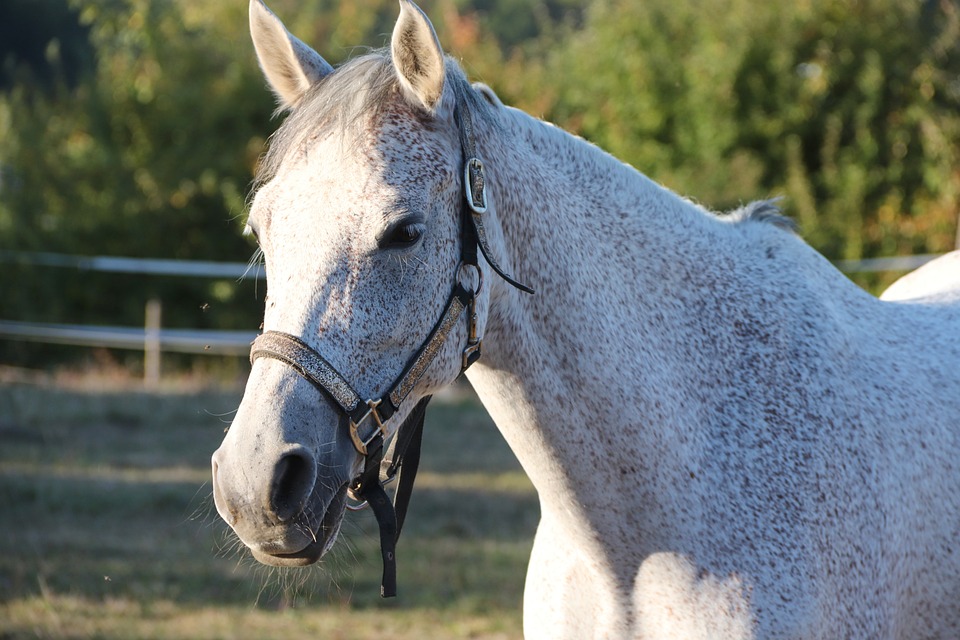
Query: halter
[{"x": 365, "y": 420}]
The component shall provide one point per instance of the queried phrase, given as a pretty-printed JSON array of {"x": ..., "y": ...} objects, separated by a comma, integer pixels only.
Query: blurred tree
[
  {"x": 43, "y": 39},
  {"x": 867, "y": 149},
  {"x": 150, "y": 155},
  {"x": 517, "y": 23}
]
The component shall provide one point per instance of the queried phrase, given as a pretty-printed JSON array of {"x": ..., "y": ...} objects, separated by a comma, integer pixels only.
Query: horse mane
[
  {"x": 762, "y": 211},
  {"x": 342, "y": 101}
]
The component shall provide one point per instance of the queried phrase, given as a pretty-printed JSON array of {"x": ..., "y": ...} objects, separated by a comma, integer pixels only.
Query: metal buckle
[
  {"x": 471, "y": 353},
  {"x": 474, "y": 185},
  {"x": 360, "y": 443},
  {"x": 354, "y": 502}
]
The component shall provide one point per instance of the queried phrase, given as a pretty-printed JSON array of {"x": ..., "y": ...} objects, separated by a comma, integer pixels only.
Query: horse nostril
[{"x": 293, "y": 480}]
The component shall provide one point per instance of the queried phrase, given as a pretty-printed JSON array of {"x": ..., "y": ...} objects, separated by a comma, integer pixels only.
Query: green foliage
[
  {"x": 42, "y": 40},
  {"x": 150, "y": 156},
  {"x": 849, "y": 108}
]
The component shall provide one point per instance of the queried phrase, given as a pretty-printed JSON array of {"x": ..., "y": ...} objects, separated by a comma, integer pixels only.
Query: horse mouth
[
  {"x": 306, "y": 556},
  {"x": 318, "y": 538}
]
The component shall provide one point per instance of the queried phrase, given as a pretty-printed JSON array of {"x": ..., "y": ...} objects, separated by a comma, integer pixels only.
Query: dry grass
[{"x": 107, "y": 530}]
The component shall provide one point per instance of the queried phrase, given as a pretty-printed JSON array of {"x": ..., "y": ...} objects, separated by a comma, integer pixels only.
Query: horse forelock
[{"x": 346, "y": 101}]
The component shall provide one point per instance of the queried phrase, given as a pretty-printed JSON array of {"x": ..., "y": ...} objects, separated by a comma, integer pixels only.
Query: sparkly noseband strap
[
  {"x": 459, "y": 300},
  {"x": 309, "y": 364}
]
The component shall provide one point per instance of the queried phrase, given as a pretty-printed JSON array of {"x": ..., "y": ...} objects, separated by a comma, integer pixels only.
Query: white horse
[
  {"x": 728, "y": 438},
  {"x": 939, "y": 278}
]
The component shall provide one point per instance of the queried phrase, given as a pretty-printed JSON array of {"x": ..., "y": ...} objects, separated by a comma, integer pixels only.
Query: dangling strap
[
  {"x": 367, "y": 487},
  {"x": 376, "y": 497},
  {"x": 405, "y": 460}
]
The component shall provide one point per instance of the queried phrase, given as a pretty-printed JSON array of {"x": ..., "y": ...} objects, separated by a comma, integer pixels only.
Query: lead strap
[
  {"x": 369, "y": 488},
  {"x": 402, "y": 462}
]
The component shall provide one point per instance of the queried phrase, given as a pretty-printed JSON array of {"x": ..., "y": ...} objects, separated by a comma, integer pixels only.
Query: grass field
[{"x": 107, "y": 530}]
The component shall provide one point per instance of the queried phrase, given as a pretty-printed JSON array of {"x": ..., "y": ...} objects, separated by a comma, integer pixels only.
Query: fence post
[{"x": 151, "y": 344}]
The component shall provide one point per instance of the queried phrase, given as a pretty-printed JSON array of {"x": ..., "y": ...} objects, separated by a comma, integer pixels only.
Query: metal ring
[
  {"x": 356, "y": 505},
  {"x": 462, "y": 266}
]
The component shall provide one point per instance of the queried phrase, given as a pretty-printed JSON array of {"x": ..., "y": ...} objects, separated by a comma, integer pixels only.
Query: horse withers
[{"x": 728, "y": 438}]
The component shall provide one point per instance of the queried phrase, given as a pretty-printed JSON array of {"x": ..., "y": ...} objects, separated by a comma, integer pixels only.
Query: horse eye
[{"x": 402, "y": 236}]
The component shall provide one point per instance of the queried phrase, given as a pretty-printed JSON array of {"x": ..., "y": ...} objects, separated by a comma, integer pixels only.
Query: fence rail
[
  {"x": 146, "y": 266},
  {"x": 224, "y": 343},
  {"x": 221, "y": 342},
  {"x": 896, "y": 263},
  {"x": 208, "y": 269}
]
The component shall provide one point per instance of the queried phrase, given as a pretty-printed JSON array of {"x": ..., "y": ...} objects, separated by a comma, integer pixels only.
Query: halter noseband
[{"x": 371, "y": 415}]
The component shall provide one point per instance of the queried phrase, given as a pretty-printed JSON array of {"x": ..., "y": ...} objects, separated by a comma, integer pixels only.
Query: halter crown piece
[{"x": 365, "y": 420}]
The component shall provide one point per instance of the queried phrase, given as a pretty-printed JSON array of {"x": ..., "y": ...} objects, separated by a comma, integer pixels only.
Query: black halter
[{"x": 380, "y": 467}]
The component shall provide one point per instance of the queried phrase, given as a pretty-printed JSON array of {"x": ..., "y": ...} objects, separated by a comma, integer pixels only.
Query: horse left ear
[{"x": 417, "y": 56}]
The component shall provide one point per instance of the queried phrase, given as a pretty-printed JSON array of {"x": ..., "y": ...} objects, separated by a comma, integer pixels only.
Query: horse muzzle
[{"x": 286, "y": 517}]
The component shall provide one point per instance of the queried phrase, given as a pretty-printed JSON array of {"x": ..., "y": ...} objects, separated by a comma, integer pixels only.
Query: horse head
[{"x": 358, "y": 215}]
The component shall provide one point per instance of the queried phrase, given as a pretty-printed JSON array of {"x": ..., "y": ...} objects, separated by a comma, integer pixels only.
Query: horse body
[
  {"x": 728, "y": 438},
  {"x": 700, "y": 407}
]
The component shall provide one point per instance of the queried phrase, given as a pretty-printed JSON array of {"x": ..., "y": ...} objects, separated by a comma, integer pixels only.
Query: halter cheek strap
[
  {"x": 365, "y": 420},
  {"x": 475, "y": 198}
]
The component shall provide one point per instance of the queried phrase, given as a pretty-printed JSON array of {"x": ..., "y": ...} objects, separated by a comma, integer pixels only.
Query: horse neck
[
  {"x": 646, "y": 307},
  {"x": 568, "y": 209},
  {"x": 593, "y": 236}
]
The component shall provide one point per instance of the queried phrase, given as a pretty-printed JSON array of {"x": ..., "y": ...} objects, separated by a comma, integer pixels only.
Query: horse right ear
[
  {"x": 417, "y": 56},
  {"x": 290, "y": 66}
]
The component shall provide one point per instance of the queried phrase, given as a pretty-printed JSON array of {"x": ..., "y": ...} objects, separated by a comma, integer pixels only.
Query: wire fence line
[
  {"x": 214, "y": 342},
  {"x": 208, "y": 269},
  {"x": 144, "y": 266},
  {"x": 211, "y": 342}
]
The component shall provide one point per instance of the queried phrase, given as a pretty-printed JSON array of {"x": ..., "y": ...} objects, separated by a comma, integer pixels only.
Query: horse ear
[
  {"x": 290, "y": 66},
  {"x": 417, "y": 56}
]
